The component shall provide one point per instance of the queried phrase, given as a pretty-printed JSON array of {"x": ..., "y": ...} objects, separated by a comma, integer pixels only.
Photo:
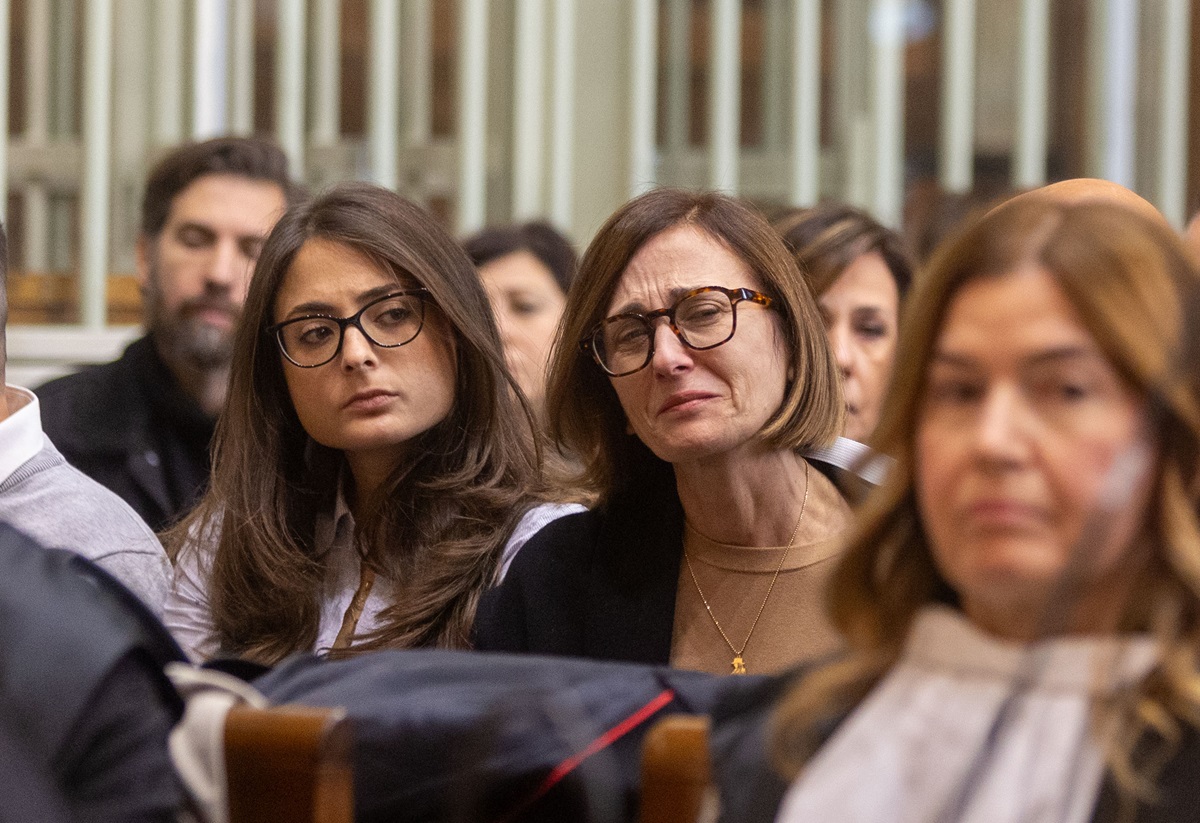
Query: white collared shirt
[
  {"x": 907, "y": 751},
  {"x": 187, "y": 612},
  {"x": 21, "y": 436}
]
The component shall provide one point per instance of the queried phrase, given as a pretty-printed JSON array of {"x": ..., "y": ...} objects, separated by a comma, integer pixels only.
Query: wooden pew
[
  {"x": 288, "y": 763},
  {"x": 677, "y": 772}
]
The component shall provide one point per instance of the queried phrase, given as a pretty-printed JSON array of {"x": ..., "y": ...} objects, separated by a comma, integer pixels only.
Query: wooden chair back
[
  {"x": 677, "y": 772},
  {"x": 288, "y": 763}
]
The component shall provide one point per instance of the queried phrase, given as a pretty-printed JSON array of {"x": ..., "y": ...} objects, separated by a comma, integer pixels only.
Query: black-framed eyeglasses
[
  {"x": 703, "y": 318},
  {"x": 388, "y": 322}
]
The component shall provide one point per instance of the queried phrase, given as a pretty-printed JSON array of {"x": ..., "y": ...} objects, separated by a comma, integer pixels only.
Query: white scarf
[{"x": 906, "y": 752}]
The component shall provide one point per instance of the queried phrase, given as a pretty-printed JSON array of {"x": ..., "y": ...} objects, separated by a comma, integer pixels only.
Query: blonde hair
[{"x": 1138, "y": 294}]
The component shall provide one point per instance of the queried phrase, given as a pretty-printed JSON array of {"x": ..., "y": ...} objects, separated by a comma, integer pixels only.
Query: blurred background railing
[{"x": 499, "y": 110}]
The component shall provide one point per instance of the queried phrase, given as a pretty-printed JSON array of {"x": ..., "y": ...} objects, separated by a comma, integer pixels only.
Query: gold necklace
[{"x": 739, "y": 662}]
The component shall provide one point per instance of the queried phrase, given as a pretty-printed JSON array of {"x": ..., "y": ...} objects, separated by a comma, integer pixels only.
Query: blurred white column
[
  {"x": 679, "y": 73},
  {"x": 241, "y": 68},
  {"x": 777, "y": 70},
  {"x": 1115, "y": 71},
  {"x": 210, "y": 67},
  {"x": 887, "y": 102},
  {"x": 804, "y": 186},
  {"x": 417, "y": 57},
  {"x": 5, "y": 95},
  {"x": 725, "y": 95},
  {"x": 36, "y": 214},
  {"x": 94, "y": 195},
  {"x": 132, "y": 90},
  {"x": 562, "y": 116},
  {"x": 1173, "y": 124},
  {"x": 851, "y": 102},
  {"x": 289, "y": 82},
  {"x": 957, "y": 145},
  {"x": 1033, "y": 83},
  {"x": 169, "y": 56},
  {"x": 472, "y": 115},
  {"x": 643, "y": 96},
  {"x": 529, "y": 118},
  {"x": 326, "y": 92},
  {"x": 383, "y": 97}
]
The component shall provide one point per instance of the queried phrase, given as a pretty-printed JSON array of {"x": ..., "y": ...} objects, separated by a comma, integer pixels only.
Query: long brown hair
[
  {"x": 583, "y": 410},
  {"x": 1138, "y": 294},
  {"x": 439, "y": 523}
]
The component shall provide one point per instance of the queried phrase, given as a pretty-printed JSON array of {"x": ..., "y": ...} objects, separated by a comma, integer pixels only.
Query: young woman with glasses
[
  {"x": 375, "y": 469},
  {"x": 691, "y": 378}
]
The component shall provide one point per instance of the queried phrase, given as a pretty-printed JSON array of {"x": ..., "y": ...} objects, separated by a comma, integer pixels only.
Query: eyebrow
[
  {"x": 210, "y": 232},
  {"x": 195, "y": 225},
  {"x": 1051, "y": 356},
  {"x": 637, "y": 307},
  {"x": 328, "y": 309}
]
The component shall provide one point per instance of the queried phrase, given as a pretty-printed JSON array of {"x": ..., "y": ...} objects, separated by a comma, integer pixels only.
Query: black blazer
[
  {"x": 601, "y": 583},
  {"x": 597, "y": 584},
  {"x": 82, "y": 689}
]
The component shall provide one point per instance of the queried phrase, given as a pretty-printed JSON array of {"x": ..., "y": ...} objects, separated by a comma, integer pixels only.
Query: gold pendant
[{"x": 739, "y": 666}]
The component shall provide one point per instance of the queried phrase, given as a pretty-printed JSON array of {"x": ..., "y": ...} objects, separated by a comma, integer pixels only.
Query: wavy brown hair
[
  {"x": 584, "y": 413},
  {"x": 1138, "y": 294},
  {"x": 438, "y": 525}
]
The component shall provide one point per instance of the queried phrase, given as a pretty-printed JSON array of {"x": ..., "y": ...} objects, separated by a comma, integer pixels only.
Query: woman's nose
[
  {"x": 1001, "y": 428},
  {"x": 357, "y": 350},
  {"x": 670, "y": 354},
  {"x": 843, "y": 349}
]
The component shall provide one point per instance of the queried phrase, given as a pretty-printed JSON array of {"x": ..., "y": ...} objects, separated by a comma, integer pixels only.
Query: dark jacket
[
  {"x": 129, "y": 426},
  {"x": 453, "y": 735},
  {"x": 598, "y": 584},
  {"x": 83, "y": 696},
  {"x": 751, "y": 790}
]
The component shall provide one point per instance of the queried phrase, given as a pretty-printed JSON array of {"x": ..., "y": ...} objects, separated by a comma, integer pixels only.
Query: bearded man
[{"x": 142, "y": 425}]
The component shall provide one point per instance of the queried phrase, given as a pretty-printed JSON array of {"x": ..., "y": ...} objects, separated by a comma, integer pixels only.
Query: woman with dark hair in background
[
  {"x": 691, "y": 378},
  {"x": 374, "y": 470},
  {"x": 526, "y": 271},
  {"x": 1020, "y": 599},
  {"x": 859, "y": 271}
]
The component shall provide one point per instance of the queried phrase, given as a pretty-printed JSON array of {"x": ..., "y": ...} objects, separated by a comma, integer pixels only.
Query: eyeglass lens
[
  {"x": 392, "y": 321},
  {"x": 704, "y": 320}
]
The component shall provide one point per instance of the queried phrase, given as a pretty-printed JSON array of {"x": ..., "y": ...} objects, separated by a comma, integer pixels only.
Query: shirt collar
[
  {"x": 942, "y": 639},
  {"x": 854, "y": 457},
  {"x": 330, "y": 529},
  {"x": 21, "y": 435}
]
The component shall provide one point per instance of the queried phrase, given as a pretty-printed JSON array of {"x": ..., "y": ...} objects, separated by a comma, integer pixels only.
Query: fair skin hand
[
  {"x": 368, "y": 402},
  {"x": 1024, "y": 429},
  {"x": 195, "y": 273},
  {"x": 702, "y": 410},
  {"x": 528, "y": 303},
  {"x": 861, "y": 313}
]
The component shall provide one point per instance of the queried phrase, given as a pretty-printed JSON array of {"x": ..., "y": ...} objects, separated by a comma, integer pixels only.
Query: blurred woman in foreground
[
  {"x": 1021, "y": 599},
  {"x": 859, "y": 270}
]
